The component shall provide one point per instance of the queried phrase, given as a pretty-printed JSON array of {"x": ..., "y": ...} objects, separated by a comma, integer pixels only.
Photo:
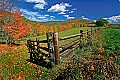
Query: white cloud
[
  {"x": 40, "y": 3},
  {"x": 52, "y": 16},
  {"x": 94, "y": 20},
  {"x": 33, "y": 18},
  {"x": 39, "y": 6},
  {"x": 83, "y": 17},
  {"x": 36, "y": 1},
  {"x": 47, "y": 15},
  {"x": 45, "y": 20},
  {"x": 25, "y": 11},
  {"x": 113, "y": 19},
  {"x": 41, "y": 17},
  {"x": 66, "y": 15},
  {"x": 62, "y": 13},
  {"x": 86, "y": 18},
  {"x": 59, "y": 7},
  {"x": 71, "y": 11},
  {"x": 35, "y": 15},
  {"x": 69, "y": 17},
  {"x": 74, "y": 9}
]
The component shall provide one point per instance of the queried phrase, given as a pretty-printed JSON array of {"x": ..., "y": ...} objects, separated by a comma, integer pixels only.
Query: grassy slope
[
  {"x": 111, "y": 40},
  {"x": 13, "y": 64},
  {"x": 64, "y": 33}
]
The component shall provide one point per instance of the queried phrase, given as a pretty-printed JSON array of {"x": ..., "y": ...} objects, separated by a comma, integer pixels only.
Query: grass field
[
  {"x": 13, "y": 64},
  {"x": 64, "y": 33},
  {"x": 111, "y": 41}
]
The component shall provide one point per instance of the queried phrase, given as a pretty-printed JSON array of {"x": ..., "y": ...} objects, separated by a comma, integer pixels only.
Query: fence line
[{"x": 55, "y": 51}]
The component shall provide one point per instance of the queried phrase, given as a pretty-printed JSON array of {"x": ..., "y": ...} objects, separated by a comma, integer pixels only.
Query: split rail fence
[{"x": 54, "y": 49}]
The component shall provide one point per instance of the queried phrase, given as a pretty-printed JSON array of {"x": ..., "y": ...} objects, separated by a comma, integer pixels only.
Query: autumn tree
[{"x": 11, "y": 21}]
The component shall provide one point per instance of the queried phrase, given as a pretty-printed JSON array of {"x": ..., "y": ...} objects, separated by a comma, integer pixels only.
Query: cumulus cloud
[
  {"x": 113, "y": 19},
  {"x": 69, "y": 17},
  {"x": 40, "y": 4},
  {"x": 61, "y": 8}
]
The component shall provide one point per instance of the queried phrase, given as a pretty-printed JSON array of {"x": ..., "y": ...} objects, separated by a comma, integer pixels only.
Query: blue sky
[{"x": 55, "y": 10}]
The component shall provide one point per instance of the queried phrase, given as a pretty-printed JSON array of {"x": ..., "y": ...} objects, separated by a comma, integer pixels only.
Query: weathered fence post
[
  {"x": 48, "y": 43},
  {"x": 30, "y": 50},
  {"x": 37, "y": 47},
  {"x": 56, "y": 48},
  {"x": 50, "y": 46},
  {"x": 91, "y": 31},
  {"x": 87, "y": 32},
  {"x": 81, "y": 32},
  {"x": 88, "y": 37}
]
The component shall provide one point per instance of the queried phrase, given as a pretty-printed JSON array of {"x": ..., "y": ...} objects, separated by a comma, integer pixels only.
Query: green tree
[{"x": 102, "y": 22}]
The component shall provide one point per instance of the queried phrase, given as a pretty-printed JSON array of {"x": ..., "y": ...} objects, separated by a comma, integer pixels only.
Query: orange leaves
[
  {"x": 43, "y": 29},
  {"x": 38, "y": 71},
  {"x": 101, "y": 50},
  {"x": 34, "y": 65},
  {"x": 112, "y": 58},
  {"x": 16, "y": 28},
  {"x": 22, "y": 74},
  {"x": 65, "y": 27},
  {"x": 10, "y": 75},
  {"x": 61, "y": 28},
  {"x": 51, "y": 29},
  {"x": 4, "y": 48},
  {"x": 92, "y": 68}
]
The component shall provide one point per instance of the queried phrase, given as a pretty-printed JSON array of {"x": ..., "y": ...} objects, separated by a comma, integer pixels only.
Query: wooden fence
[{"x": 55, "y": 51}]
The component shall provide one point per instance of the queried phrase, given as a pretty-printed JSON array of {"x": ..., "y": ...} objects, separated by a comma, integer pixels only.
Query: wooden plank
[
  {"x": 84, "y": 32},
  {"x": 69, "y": 51},
  {"x": 44, "y": 41},
  {"x": 68, "y": 37},
  {"x": 44, "y": 48},
  {"x": 66, "y": 46}
]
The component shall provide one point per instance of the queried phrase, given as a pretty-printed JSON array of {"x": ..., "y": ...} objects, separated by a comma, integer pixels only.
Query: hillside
[
  {"x": 40, "y": 28},
  {"x": 52, "y": 23}
]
